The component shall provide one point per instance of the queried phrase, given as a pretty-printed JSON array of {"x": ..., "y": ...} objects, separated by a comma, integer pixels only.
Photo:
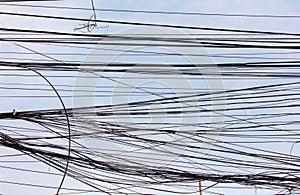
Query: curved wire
[{"x": 68, "y": 123}]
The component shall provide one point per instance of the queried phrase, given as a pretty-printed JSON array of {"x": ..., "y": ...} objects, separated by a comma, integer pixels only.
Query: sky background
[{"x": 270, "y": 7}]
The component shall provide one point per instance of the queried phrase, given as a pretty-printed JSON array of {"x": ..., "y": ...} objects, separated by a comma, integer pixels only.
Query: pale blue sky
[{"x": 272, "y": 7}]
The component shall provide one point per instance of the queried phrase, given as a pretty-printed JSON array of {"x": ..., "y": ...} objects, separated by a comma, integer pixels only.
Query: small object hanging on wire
[
  {"x": 92, "y": 23},
  {"x": 14, "y": 112}
]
